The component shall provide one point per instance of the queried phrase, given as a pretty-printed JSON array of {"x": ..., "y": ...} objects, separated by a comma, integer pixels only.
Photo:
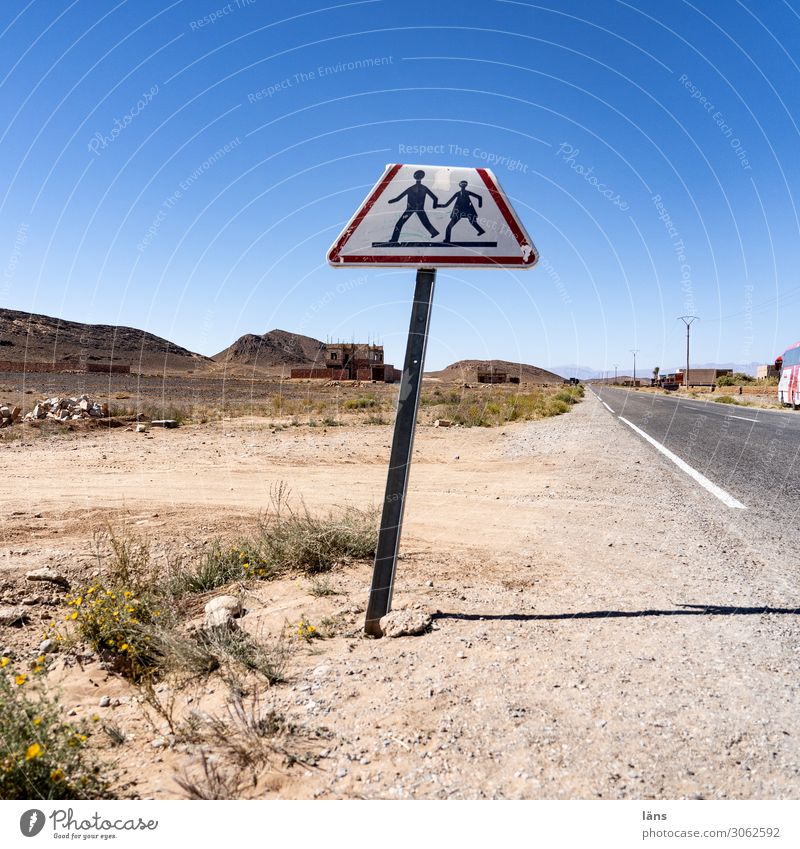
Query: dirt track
[{"x": 574, "y": 654}]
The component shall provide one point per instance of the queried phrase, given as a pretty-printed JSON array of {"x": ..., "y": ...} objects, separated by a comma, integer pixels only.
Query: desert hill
[
  {"x": 274, "y": 349},
  {"x": 467, "y": 371},
  {"x": 28, "y": 337}
]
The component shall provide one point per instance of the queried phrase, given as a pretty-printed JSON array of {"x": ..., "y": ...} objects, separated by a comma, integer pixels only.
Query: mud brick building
[{"x": 352, "y": 361}]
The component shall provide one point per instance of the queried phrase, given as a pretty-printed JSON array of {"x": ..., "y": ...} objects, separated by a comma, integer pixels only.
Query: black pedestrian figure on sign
[
  {"x": 463, "y": 209},
  {"x": 415, "y": 196}
]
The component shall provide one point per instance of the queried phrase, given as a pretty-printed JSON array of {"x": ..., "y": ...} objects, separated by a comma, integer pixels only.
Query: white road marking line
[
  {"x": 742, "y": 418},
  {"x": 723, "y": 496},
  {"x": 607, "y": 407}
]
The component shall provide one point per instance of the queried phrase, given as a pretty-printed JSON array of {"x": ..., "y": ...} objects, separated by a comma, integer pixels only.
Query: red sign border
[{"x": 335, "y": 256}]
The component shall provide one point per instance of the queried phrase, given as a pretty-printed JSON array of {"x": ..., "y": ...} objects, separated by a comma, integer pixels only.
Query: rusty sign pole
[{"x": 380, "y": 596}]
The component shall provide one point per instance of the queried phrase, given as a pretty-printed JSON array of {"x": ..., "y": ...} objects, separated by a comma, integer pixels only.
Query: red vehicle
[{"x": 788, "y": 367}]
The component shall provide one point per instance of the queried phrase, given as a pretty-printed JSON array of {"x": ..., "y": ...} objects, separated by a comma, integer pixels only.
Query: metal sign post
[
  {"x": 447, "y": 217},
  {"x": 380, "y": 596}
]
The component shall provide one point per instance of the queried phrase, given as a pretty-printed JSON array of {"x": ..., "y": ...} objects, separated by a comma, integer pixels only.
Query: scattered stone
[
  {"x": 158, "y": 743},
  {"x": 164, "y": 423},
  {"x": 220, "y": 611},
  {"x": 105, "y": 701},
  {"x": 402, "y": 623},
  {"x": 48, "y": 575},
  {"x": 141, "y": 428},
  {"x": 13, "y": 616},
  {"x": 341, "y": 772},
  {"x": 442, "y": 423},
  {"x": 46, "y": 646},
  {"x": 227, "y": 602},
  {"x": 220, "y": 618}
]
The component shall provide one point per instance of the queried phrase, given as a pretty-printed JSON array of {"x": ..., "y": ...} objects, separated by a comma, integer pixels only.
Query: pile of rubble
[{"x": 64, "y": 409}]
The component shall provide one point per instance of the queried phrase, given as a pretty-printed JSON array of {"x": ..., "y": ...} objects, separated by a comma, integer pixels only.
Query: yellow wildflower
[
  {"x": 37, "y": 720},
  {"x": 34, "y": 750},
  {"x": 4, "y": 662},
  {"x": 57, "y": 775},
  {"x": 21, "y": 679}
]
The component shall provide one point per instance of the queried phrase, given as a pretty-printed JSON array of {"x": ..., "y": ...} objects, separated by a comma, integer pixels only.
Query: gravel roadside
[{"x": 602, "y": 628}]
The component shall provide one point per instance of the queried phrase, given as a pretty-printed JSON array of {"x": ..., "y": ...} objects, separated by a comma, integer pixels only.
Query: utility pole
[
  {"x": 687, "y": 320},
  {"x": 634, "y": 351},
  {"x": 616, "y": 366}
]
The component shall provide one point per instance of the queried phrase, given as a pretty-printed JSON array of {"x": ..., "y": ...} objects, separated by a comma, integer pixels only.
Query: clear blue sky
[{"x": 184, "y": 167}]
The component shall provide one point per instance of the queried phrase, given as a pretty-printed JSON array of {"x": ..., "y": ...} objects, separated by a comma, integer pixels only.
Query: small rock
[
  {"x": 341, "y": 772},
  {"x": 13, "y": 616},
  {"x": 48, "y": 575},
  {"x": 46, "y": 646},
  {"x": 220, "y": 611},
  {"x": 141, "y": 428},
  {"x": 164, "y": 423},
  {"x": 158, "y": 743},
  {"x": 220, "y": 618},
  {"x": 225, "y": 602},
  {"x": 428, "y": 583},
  {"x": 402, "y": 623},
  {"x": 105, "y": 701},
  {"x": 442, "y": 423}
]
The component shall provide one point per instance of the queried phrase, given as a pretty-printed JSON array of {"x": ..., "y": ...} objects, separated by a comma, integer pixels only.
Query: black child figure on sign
[
  {"x": 415, "y": 195},
  {"x": 463, "y": 209}
]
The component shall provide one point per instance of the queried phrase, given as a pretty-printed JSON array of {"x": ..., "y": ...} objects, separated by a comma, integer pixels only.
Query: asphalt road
[{"x": 752, "y": 454}]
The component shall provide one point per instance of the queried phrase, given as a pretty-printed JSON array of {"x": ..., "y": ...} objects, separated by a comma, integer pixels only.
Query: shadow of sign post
[{"x": 360, "y": 244}]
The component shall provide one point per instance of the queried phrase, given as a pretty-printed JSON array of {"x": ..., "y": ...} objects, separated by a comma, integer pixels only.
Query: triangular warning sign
[{"x": 432, "y": 215}]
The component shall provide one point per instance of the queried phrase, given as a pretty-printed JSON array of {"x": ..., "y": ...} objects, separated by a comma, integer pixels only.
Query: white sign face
[{"x": 431, "y": 215}]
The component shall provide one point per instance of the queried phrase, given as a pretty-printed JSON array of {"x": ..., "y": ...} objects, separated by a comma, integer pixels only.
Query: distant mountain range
[
  {"x": 585, "y": 373},
  {"x": 26, "y": 337}
]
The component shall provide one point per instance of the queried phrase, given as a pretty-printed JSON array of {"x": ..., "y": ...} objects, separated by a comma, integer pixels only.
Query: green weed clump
[
  {"x": 365, "y": 403},
  {"x": 727, "y": 399},
  {"x": 41, "y": 756},
  {"x": 500, "y": 407}
]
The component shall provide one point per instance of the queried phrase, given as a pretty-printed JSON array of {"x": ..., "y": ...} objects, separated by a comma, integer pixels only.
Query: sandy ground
[{"x": 599, "y": 627}]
